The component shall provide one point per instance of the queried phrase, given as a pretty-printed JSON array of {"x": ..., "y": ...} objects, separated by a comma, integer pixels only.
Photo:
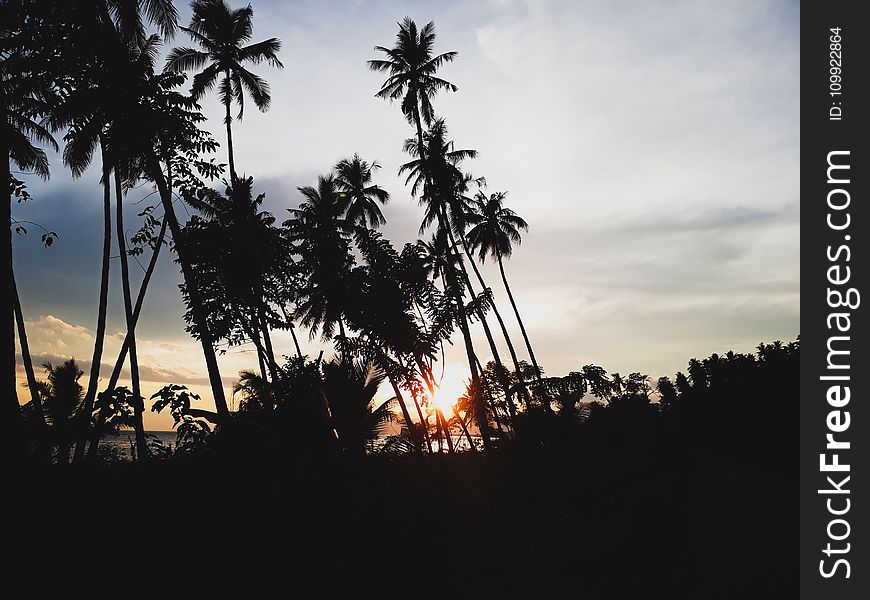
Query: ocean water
[{"x": 121, "y": 446}]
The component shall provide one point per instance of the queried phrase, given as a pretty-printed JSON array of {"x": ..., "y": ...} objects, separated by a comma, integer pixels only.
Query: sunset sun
[{"x": 448, "y": 391}]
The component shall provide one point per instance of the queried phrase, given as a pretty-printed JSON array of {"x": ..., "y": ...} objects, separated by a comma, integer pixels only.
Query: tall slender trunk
[
  {"x": 267, "y": 342},
  {"x": 343, "y": 338},
  {"x": 11, "y": 421},
  {"x": 270, "y": 358},
  {"x": 479, "y": 408},
  {"x": 26, "y": 359},
  {"x": 292, "y": 328},
  {"x": 507, "y": 288},
  {"x": 405, "y": 414},
  {"x": 199, "y": 320},
  {"x": 469, "y": 348},
  {"x": 440, "y": 416},
  {"x": 427, "y": 379},
  {"x": 295, "y": 341},
  {"x": 500, "y": 370},
  {"x": 84, "y": 416},
  {"x": 229, "y": 120},
  {"x": 464, "y": 430},
  {"x": 139, "y": 401},
  {"x": 423, "y": 424},
  {"x": 491, "y": 401},
  {"x": 137, "y": 310},
  {"x": 498, "y": 317}
]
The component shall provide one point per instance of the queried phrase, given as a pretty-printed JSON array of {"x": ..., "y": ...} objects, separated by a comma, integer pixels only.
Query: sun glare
[{"x": 447, "y": 391}]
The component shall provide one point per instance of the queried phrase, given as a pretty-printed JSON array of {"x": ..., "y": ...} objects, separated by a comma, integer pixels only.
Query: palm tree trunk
[
  {"x": 469, "y": 348},
  {"x": 84, "y": 416},
  {"x": 205, "y": 339},
  {"x": 267, "y": 342},
  {"x": 500, "y": 370},
  {"x": 501, "y": 324},
  {"x": 137, "y": 310},
  {"x": 343, "y": 338},
  {"x": 270, "y": 358},
  {"x": 26, "y": 358},
  {"x": 491, "y": 401},
  {"x": 292, "y": 328},
  {"x": 479, "y": 408},
  {"x": 295, "y": 341},
  {"x": 423, "y": 423},
  {"x": 405, "y": 414},
  {"x": 464, "y": 430},
  {"x": 228, "y": 120},
  {"x": 13, "y": 426},
  {"x": 440, "y": 417},
  {"x": 138, "y": 426},
  {"x": 522, "y": 327}
]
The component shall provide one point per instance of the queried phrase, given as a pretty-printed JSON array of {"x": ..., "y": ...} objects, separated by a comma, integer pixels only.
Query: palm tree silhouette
[
  {"x": 62, "y": 398},
  {"x": 447, "y": 203},
  {"x": 141, "y": 65},
  {"x": 221, "y": 32},
  {"x": 350, "y": 390},
  {"x": 494, "y": 230},
  {"x": 353, "y": 178},
  {"x": 23, "y": 100},
  {"x": 412, "y": 67},
  {"x": 325, "y": 258}
]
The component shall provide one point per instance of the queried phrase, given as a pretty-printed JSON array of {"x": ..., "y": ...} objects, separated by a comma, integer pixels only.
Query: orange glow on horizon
[{"x": 447, "y": 392}]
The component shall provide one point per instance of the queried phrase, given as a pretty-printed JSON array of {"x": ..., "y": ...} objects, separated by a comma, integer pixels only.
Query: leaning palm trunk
[
  {"x": 199, "y": 319},
  {"x": 83, "y": 417},
  {"x": 500, "y": 370},
  {"x": 138, "y": 400},
  {"x": 26, "y": 359},
  {"x": 479, "y": 408},
  {"x": 44, "y": 444},
  {"x": 480, "y": 411},
  {"x": 439, "y": 416},
  {"x": 12, "y": 424},
  {"x": 501, "y": 324},
  {"x": 522, "y": 328},
  {"x": 405, "y": 414},
  {"x": 137, "y": 309},
  {"x": 464, "y": 430},
  {"x": 423, "y": 424}
]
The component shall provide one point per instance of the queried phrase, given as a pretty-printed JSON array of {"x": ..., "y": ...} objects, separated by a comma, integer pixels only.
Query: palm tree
[
  {"x": 101, "y": 84},
  {"x": 326, "y": 259},
  {"x": 350, "y": 390},
  {"x": 353, "y": 177},
  {"x": 22, "y": 101},
  {"x": 412, "y": 77},
  {"x": 412, "y": 69},
  {"x": 62, "y": 397},
  {"x": 445, "y": 203},
  {"x": 494, "y": 230},
  {"x": 221, "y": 32}
]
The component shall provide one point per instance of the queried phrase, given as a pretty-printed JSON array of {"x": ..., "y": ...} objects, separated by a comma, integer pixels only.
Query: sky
[{"x": 653, "y": 148}]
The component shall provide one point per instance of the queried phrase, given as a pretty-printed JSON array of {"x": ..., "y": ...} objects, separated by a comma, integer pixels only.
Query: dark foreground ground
[{"x": 614, "y": 524}]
